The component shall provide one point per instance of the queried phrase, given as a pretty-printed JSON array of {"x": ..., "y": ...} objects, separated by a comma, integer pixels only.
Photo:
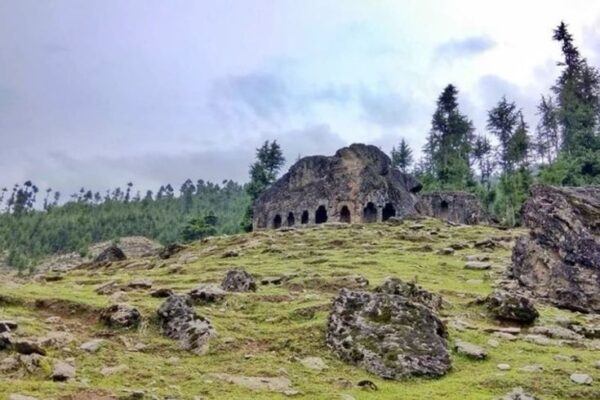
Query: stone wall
[{"x": 458, "y": 207}]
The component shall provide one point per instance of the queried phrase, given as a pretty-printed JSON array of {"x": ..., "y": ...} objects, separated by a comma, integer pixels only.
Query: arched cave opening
[
  {"x": 277, "y": 222},
  {"x": 290, "y": 219},
  {"x": 370, "y": 213},
  {"x": 321, "y": 215},
  {"x": 345, "y": 215},
  {"x": 304, "y": 217},
  {"x": 388, "y": 212}
]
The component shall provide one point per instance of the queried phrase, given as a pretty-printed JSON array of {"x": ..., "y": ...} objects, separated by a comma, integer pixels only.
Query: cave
[
  {"x": 321, "y": 215},
  {"x": 277, "y": 222},
  {"x": 345, "y": 215},
  {"x": 388, "y": 212},
  {"x": 304, "y": 217},
  {"x": 370, "y": 213},
  {"x": 290, "y": 219}
]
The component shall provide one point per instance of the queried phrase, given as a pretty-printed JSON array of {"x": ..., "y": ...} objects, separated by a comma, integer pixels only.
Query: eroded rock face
[
  {"x": 238, "y": 280},
  {"x": 110, "y": 254},
  {"x": 389, "y": 335},
  {"x": 513, "y": 307},
  {"x": 457, "y": 207},
  {"x": 179, "y": 321},
  {"x": 560, "y": 258},
  {"x": 121, "y": 316},
  {"x": 357, "y": 184}
]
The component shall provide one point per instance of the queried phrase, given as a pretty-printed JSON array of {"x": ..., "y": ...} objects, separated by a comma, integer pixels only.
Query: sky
[{"x": 99, "y": 93}]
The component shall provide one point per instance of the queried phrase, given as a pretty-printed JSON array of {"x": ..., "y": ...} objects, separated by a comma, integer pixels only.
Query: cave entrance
[
  {"x": 290, "y": 219},
  {"x": 370, "y": 213},
  {"x": 277, "y": 222},
  {"x": 444, "y": 207},
  {"x": 321, "y": 215},
  {"x": 304, "y": 217},
  {"x": 388, "y": 212},
  {"x": 345, "y": 215}
]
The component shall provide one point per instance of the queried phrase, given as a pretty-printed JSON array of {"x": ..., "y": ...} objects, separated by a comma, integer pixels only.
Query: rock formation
[
  {"x": 357, "y": 184},
  {"x": 457, "y": 207},
  {"x": 120, "y": 316},
  {"x": 179, "y": 321},
  {"x": 389, "y": 335},
  {"x": 560, "y": 258},
  {"x": 238, "y": 280},
  {"x": 509, "y": 306},
  {"x": 112, "y": 253}
]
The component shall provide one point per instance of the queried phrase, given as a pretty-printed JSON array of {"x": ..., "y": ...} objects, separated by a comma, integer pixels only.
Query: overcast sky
[{"x": 97, "y": 93}]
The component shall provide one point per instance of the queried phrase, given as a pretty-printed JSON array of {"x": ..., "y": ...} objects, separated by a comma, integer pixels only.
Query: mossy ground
[{"x": 266, "y": 332}]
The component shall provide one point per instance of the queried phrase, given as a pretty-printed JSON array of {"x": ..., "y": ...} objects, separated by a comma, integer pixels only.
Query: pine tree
[
  {"x": 402, "y": 158},
  {"x": 547, "y": 141}
]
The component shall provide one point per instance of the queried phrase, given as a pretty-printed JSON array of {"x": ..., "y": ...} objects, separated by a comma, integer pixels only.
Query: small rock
[
  {"x": 581, "y": 379},
  {"x": 563, "y": 357},
  {"x": 478, "y": 257},
  {"x": 368, "y": 385},
  {"x": 532, "y": 368},
  {"x": 161, "y": 293},
  {"x": 539, "y": 340},
  {"x": 470, "y": 350},
  {"x": 27, "y": 347},
  {"x": 118, "y": 297},
  {"x": 207, "y": 293},
  {"x": 231, "y": 253},
  {"x": 556, "y": 332},
  {"x": 447, "y": 251},
  {"x": 107, "y": 288},
  {"x": 238, "y": 280},
  {"x": 477, "y": 265},
  {"x": 92, "y": 346},
  {"x": 20, "y": 397},
  {"x": 8, "y": 326},
  {"x": 271, "y": 280},
  {"x": 5, "y": 340},
  {"x": 518, "y": 394},
  {"x": 503, "y": 367},
  {"x": 314, "y": 363},
  {"x": 493, "y": 343},
  {"x": 107, "y": 371},
  {"x": 140, "y": 283},
  {"x": 62, "y": 371}
]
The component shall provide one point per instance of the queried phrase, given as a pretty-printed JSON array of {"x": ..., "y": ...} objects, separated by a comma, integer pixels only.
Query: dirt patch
[
  {"x": 67, "y": 309},
  {"x": 89, "y": 396}
]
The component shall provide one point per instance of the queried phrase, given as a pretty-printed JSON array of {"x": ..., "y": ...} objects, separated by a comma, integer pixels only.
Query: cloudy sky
[{"x": 97, "y": 93}]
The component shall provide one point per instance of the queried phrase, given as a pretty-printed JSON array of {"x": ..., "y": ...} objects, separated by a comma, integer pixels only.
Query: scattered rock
[
  {"x": 161, "y": 293},
  {"x": 485, "y": 244},
  {"x": 27, "y": 347},
  {"x": 477, "y": 265},
  {"x": 470, "y": 350},
  {"x": 556, "y": 332},
  {"x": 92, "y": 346},
  {"x": 118, "y": 297},
  {"x": 278, "y": 384},
  {"x": 231, "y": 253},
  {"x": 170, "y": 250},
  {"x": 107, "y": 288},
  {"x": 8, "y": 326},
  {"x": 31, "y": 362},
  {"x": 460, "y": 246},
  {"x": 314, "y": 363},
  {"x": 447, "y": 251},
  {"x": 62, "y": 371},
  {"x": 20, "y": 397},
  {"x": 271, "y": 280},
  {"x": 179, "y": 321},
  {"x": 238, "y": 280},
  {"x": 559, "y": 258},
  {"x": 562, "y": 357},
  {"x": 477, "y": 257},
  {"x": 533, "y": 368},
  {"x": 55, "y": 339},
  {"x": 108, "y": 371},
  {"x": 511, "y": 307},
  {"x": 503, "y": 367},
  {"x": 389, "y": 335},
  {"x": 120, "y": 316},
  {"x": 518, "y": 394},
  {"x": 140, "y": 283},
  {"x": 5, "y": 340},
  {"x": 110, "y": 254},
  {"x": 581, "y": 379},
  {"x": 207, "y": 293},
  {"x": 368, "y": 385}
]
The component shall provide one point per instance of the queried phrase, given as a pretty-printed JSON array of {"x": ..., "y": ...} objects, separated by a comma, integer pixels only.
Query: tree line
[{"x": 501, "y": 163}]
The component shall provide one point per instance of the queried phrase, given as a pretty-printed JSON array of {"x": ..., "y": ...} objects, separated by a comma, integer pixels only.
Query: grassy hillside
[{"x": 267, "y": 333}]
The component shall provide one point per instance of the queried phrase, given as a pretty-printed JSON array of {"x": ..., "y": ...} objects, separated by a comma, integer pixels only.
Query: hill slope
[{"x": 268, "y": 333}]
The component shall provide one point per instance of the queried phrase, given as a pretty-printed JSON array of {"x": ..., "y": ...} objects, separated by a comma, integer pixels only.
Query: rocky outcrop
[
  {"x": 457, "y": 207},
  {"x": 110, "y": 254},
  {"x": 206, "y": 293},
  {"x": 411, "y": 291},
  {"x": 170, "y": 250},
  {"x": 560, "y": 258},
  {"x": 179, "y": 321},
  {"x": 357, "y": 184},
  {"x": 389, "y": 335},
  {"x": 238, "y": 280}
]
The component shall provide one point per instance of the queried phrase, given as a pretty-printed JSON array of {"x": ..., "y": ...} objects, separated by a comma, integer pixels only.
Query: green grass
[{"x": 274, "y": 327}]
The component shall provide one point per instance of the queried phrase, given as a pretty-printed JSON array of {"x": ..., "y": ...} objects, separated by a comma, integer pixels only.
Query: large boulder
[
  {"x": 560, "y": 258},
  {"x": 179, "y": 321},
  {"x": 514, "y": 307},
  {"x": 112, "y": 253},
  {"x": 120, "y": 316},
  {"x": 411, "y": 291},
  {"x": 457, "y": 207},
  {"x": 389, "y": 335},
  {"x": 238, "y": 280}
]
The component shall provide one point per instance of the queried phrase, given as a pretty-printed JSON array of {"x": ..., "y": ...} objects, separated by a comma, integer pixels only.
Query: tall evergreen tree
[
  {"x": 402, "y": 158},
  {"x": 449, "y": 144},
  {"x": 547, "y": 141}
]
